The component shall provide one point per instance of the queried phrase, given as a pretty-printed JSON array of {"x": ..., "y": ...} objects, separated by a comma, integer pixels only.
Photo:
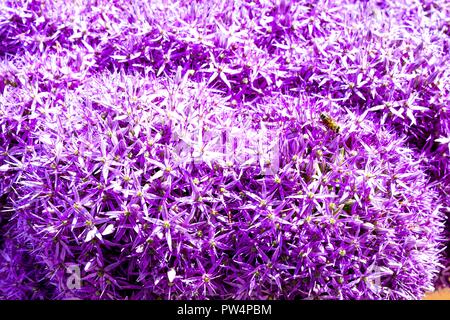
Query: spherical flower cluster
[{"x": 223, "y": 149}]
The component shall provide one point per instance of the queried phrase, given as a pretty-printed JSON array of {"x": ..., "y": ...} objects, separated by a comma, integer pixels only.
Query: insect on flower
[
  {"x": 329, "y": 122},
  {"x": 11, "y": 83}
]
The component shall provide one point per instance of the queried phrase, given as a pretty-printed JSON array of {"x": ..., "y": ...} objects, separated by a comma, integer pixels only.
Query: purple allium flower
[
  {"x": 139, "y": 186},
  {"x": 223, "y": 149}
]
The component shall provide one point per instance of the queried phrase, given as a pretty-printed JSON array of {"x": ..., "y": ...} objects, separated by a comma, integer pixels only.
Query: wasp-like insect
[
  {"x": 329, "y": 122},
  {"x": 11, "y": 83}
]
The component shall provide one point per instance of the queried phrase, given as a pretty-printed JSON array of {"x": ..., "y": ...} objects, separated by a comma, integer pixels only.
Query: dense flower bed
[{"x": 224, "y": 149}]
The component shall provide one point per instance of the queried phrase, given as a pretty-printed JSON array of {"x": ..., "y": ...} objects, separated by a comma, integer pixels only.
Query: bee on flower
[{"x": 329, "y": 122}]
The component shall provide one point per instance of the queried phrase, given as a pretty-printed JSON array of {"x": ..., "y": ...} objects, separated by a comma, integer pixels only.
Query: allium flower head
[
  {"x": 173, "y": 192},
  {"x": 223, "y": 149}
]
